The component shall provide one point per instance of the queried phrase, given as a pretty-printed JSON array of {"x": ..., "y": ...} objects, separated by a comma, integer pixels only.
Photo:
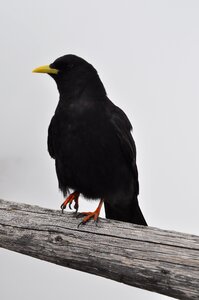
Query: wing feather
[{"x": 123, "y": 128}]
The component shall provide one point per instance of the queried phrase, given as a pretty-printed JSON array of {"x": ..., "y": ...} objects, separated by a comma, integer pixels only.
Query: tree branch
[{"x": 161, "y": 261}]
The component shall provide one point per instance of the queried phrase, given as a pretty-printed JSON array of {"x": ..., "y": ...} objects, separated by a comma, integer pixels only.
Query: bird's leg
[
  {"x": 72, "y": 197},
  {"x": 90, "y": 215}
]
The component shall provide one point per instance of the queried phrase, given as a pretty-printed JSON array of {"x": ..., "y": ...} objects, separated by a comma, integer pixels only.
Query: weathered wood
[{"x": 161, "y": 261}]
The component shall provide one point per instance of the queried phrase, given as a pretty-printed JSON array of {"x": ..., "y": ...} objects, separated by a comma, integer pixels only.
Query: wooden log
[{"x": 161, "y": 261}]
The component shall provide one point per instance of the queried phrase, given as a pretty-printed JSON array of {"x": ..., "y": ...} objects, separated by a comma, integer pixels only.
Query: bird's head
[
  {"x": 62, "y": 65},
  {"x": 71, "y": 72}
]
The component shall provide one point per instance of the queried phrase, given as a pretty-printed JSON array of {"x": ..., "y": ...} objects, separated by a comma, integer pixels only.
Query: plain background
[{"x": 147, "y": 55}]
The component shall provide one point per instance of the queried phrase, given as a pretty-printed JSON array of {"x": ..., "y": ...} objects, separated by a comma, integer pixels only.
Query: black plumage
[{"x": 90, "y": 139}]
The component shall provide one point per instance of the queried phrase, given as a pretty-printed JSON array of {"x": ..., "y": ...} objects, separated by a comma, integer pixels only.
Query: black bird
[{"x": 90, "y": 139}]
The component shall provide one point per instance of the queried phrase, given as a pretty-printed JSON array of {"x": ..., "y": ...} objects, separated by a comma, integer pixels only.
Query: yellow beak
[{"x": 45, "y": 69}]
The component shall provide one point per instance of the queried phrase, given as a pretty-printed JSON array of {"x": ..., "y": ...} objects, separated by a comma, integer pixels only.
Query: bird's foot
[
  {"x": 90, "y": 215},
  {"x": 72, "y": 197}
]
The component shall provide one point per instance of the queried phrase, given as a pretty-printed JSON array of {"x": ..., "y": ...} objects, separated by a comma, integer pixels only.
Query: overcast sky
[{"x": 147, "y": 55}]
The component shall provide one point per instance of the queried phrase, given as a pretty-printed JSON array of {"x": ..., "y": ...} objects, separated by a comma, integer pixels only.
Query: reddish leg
[
  {"x": 72, "y": 197},
  {"x": 90, "y": 215}
]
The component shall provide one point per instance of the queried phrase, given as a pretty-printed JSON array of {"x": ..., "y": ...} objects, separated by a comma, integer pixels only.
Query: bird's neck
[{"x": 81, "y": 83}]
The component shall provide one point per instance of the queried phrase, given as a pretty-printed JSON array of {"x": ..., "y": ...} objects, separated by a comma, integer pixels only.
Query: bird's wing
[
  {"x": 122, "y": 128},
  {"x": 50, "y": 139}
]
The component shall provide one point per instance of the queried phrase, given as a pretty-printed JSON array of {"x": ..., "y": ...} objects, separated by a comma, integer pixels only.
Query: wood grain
[{"x": 161, "y": 261}]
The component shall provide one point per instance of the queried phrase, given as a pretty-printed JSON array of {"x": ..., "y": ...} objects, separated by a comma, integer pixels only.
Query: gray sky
[{"x": 147, "y": 55}]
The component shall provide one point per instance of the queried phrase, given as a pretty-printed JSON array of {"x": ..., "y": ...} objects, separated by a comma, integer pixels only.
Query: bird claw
[
  {"x": 62, "y": 208},
  {"x": 81, "y": 223},
  {"x": 72, "y": 197},
  {"x": 76, "y": 207},
  {"x": 88, "y": 216},
  {"x": 96, "y": 222},
  {"x": 84, "y": 222}
]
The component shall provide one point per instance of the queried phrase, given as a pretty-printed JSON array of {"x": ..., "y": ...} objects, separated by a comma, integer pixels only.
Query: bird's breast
[{"x": 88, "y": 150}]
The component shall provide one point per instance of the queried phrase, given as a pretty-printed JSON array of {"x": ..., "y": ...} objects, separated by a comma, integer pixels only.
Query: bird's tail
[{"x": 129, "y": 213}]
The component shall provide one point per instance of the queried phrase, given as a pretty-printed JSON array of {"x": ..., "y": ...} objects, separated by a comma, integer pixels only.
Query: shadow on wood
[{"x": 161, "y": 261}]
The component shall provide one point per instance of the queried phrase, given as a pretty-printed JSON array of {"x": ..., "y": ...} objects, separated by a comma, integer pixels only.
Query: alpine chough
[{"x": 90, "y": 139}]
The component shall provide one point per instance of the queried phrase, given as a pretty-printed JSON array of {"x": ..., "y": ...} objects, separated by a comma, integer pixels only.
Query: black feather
[{"x": 90, "y": 139}]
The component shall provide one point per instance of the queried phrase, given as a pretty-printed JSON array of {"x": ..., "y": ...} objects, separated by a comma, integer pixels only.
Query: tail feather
[{"x": 131, "y": 213}]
